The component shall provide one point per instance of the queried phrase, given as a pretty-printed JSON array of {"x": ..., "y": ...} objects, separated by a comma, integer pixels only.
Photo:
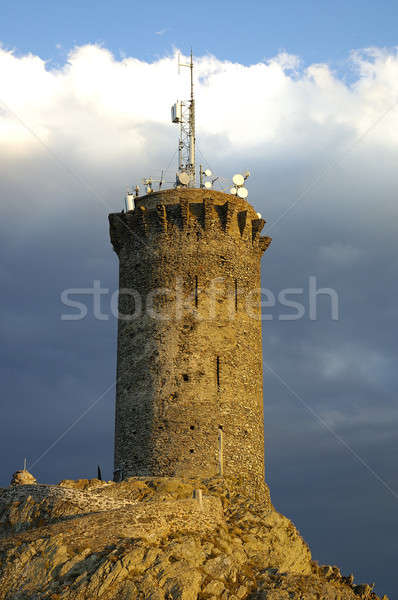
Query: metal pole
[
  {"x": 192, "y": 128},
  {"x": 180, "y": 148},
  {"x": 197, "y": 494},
  {"x": 201, "y": 176},
  {"x": 221, "y": 451}
]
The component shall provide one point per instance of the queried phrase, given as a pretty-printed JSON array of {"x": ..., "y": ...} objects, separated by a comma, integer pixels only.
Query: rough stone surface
[
  {"x": 23, "y": 477},
  {"x": 148, "y": 538},
  {"x": 189, "y": 342}
]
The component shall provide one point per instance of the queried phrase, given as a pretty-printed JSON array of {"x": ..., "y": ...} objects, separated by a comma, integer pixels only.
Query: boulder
[{"x": 23, "y": 477}]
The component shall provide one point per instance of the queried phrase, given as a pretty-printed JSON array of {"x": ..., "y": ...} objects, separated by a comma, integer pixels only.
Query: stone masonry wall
[{"x": 189, "y": 370}]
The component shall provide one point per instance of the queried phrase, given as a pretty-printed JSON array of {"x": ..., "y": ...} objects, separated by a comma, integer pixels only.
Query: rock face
[{"x": 151, "y": 538}]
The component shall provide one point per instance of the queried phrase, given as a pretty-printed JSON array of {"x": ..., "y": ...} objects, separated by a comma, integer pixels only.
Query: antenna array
[
  {"x": 183, "y": 114},
  {"x": 238, "y": 181}
]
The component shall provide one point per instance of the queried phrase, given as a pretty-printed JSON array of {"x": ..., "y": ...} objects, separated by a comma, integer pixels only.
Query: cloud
[
  {"x": 339, "y": 254},
  {"x": 353, "y": 360},
  {"x": 265, "y": 100}
]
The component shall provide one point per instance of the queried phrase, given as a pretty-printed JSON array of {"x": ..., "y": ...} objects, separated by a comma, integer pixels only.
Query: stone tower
[{"x": 189, "y": 396}]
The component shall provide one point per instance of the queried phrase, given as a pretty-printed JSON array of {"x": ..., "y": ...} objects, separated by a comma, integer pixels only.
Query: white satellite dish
[
  {"x": 233, "y": 191},
  {"x": 208, "y": 185},
  {"x": 183, "y": 178},
  {"x": 242, "y": 192},
  {"x": 238, "y": 179},
  {"x": 258, "y": 215},
  {"x": 208, "y": 173}
]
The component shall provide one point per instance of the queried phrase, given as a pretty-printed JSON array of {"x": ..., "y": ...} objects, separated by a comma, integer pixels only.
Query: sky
[{"x": 306, "y": 97}]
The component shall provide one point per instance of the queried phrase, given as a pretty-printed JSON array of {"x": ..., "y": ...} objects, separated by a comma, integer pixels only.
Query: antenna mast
[
  {"x": 183, "y": 113},
  {"x": 192, "y": 127}
]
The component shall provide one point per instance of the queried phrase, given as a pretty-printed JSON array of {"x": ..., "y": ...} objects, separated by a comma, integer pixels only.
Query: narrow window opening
[
  {"x": 220, "y": 427},
  {"x": 191, "y": 451},
  {"x": 218, "y": 371},
  {"x": 196, "y": 291},
  {"x": 236, "y": 295},
  {"x": 185, "y": 377},
  {"x": 192, "y": 427}
]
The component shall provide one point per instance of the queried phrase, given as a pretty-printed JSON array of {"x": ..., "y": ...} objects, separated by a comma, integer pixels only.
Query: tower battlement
[{"x": 180, "y": 210}]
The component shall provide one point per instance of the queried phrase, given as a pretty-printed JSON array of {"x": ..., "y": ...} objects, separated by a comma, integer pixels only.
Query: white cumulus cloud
[{"x": 95, "y": 93}]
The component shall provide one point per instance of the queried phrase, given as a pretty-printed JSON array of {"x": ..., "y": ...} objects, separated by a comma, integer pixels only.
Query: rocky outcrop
[
  {"x": 155, "y": 538},
  {"x": 23, "y": 477}
]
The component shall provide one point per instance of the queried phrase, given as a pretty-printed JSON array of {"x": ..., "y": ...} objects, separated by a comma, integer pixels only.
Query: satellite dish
[
  {"x": 258, "y": 215},
  {"x": 242, "y": 192},
  {"x": 208, "y": 185},
  {"x": 233, "y": 191},
  {"x": 208, "y": 173},
  {"x": 238, "y": 179},
  {"x": 183, "y": 178}
]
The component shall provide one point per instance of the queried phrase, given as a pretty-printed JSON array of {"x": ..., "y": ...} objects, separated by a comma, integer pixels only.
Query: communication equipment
[
  {"x": 148, "y": 182},
  {"x": 130, "y": 205},
  {"x": 176, "y": 112},
  {"x": 183, "y": 178},
  {"x": 238, "y": 179},
  {"x": 206, "y": 173},
  {"x": 258, "y": 215},
  {"x": 183, "y": 114}
]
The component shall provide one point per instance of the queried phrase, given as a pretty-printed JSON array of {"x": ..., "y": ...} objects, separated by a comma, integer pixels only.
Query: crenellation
[
  {"x": 210, "y": 216},
  {"x": 242, "y": 218},
  {"x": 142, "y": 220},
  {"x": 185, "y": 212},
  {"x": 257, "y": 226},
  {"x": 205, "y": 218},
  {"x": 264, "y": 242},
  {"x": 229, "y": 215},
  {"x": 162, "y": 217}
]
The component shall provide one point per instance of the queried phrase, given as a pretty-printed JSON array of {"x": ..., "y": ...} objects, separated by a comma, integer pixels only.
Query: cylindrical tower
[{"x": 189, "y": 364}]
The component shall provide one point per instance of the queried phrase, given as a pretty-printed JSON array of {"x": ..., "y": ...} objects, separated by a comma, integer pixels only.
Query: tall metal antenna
[{"x": 183, "y": 113}]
